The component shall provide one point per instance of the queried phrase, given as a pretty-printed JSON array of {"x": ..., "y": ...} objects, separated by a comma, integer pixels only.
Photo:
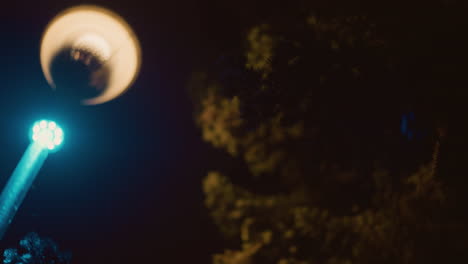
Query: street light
[{"x": 46, "y": 137}]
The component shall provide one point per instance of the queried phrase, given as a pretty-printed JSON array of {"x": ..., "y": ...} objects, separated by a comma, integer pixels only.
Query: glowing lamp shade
[
  {"x": 94, "y": 33},
  {"x": 48, "y": 134}
]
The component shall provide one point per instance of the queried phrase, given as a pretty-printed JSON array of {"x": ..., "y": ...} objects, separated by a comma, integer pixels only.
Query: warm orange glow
[{"x": 115, "y": 41}]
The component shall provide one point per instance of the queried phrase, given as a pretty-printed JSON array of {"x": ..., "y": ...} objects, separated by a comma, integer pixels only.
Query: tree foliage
[
  {"x": 313, "y": 107},
  {"x": 36, "y": 250}
]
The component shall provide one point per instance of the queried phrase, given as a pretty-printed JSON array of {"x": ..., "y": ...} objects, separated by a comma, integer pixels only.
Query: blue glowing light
[
  {"x": 47, "y": 134},
  {"x": 19, "y": 183}
]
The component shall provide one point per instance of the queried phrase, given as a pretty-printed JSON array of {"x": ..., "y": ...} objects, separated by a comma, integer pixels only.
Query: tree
[
  {"x": 341, "y": 144},
  {"x": 36, "y": 250}
]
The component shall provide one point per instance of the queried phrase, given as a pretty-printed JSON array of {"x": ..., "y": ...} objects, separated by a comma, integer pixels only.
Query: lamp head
[
  {"x": 48, "y": 134},
  {"x": 90, "y": 54}
]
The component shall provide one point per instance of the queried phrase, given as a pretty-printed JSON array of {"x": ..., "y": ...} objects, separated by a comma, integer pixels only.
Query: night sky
[{"x": 126, "y": 186}]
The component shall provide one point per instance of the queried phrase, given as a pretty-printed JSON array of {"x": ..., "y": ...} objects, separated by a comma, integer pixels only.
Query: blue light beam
[{"x": 46, "y": 136}]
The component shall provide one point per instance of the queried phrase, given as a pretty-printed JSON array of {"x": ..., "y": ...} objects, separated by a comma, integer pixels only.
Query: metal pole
[{"x": 19, "y": 183}]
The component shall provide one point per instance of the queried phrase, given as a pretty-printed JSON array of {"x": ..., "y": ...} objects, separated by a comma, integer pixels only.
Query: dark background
[{"x": 126, "y": 186}]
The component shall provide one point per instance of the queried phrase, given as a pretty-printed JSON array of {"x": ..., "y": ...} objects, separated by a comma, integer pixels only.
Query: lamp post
[{"x": 46, "y": 137}]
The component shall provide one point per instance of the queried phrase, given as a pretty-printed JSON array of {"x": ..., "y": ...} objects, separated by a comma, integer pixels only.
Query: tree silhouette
[
  {"x": 36, "y": 250},
  {"x": 343, "y": 129}
]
